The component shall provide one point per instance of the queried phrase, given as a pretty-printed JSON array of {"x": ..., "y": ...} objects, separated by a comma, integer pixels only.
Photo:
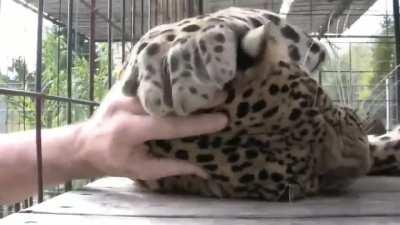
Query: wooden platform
[{"x": 371, "y": 201}]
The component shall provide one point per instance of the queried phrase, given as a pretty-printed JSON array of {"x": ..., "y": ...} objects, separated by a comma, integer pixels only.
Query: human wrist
[{"x": 79, "y": 144}]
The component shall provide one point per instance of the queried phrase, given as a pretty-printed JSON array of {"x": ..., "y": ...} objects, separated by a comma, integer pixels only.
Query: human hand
[{"x": 112, "y": 141}]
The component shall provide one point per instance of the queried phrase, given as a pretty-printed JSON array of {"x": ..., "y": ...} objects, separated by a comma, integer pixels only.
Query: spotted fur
[
  {"x": 285, "y": 139},
  {"x": 385, "y": 153},
  {"x": 180, "y": 68}
]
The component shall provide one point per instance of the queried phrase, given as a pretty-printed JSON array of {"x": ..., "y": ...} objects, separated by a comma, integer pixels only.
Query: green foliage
[
  {"x": 345, "y": 82},
  {"x": 54, "y": 78},
  {"x": 383, "y": 55},
  {"x": 364, "y": 87}
]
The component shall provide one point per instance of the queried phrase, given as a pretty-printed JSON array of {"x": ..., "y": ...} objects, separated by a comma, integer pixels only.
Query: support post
[
  {"x": 92, "y": 52},
  {"x": 142, "y": 16},
  {"x": 201, "y": 7},
  {"x": 39, "y": 99},
  {"x": 68, "y": 185},
  {"x": 397, "y": 40},
  {"x": 109, "y": 41},
  {"x": 149, "y": 21},
  {"x": 123, "y": 30}
]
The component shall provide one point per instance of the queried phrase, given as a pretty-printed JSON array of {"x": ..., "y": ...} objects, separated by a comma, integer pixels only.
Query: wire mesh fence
[{"x": 78, "y": 42}]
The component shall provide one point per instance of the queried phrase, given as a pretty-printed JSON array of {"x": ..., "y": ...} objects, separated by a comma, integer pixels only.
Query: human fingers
[{"x": 155, "y": 128}]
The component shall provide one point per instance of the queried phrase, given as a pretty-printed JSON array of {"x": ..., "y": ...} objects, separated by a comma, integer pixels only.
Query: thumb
[{"x": 163, "y": 167}]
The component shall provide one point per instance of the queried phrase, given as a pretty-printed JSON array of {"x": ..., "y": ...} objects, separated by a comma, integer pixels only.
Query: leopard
[
  {"x": 385, "y": 149},
  {"x": 285, "y": 140}
]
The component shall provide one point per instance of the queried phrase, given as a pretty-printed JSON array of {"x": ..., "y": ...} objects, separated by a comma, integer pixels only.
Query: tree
[
  {"x": 54, "y": 78},
  {"x": 345, "y": 81},
  {"x": 382, "y": 63},
  {"x": 383, "y": 53}
]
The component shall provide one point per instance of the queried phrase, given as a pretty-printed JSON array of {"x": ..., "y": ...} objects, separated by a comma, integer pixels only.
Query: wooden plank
[
  {"x": 117, "y": 196},
  {"x": 51, "y": 219},
  {"x": 376, "y": 184}
]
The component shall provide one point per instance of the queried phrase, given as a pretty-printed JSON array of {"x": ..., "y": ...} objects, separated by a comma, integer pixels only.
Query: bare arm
[
  {"x": 110, "y": 143},
  {"x": 18, "y": 161}
]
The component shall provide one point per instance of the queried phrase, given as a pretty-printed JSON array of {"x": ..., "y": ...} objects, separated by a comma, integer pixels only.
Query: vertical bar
[
  {"x": 201, "y": 7},
  {"x": 190, "y": 7},
  {"x": 92, "y": 51},
  {"x": 24, "y": 98},
  {"x": 123, "y": 30},
  {"x": 109, "y": 41},
  {"x": 183, "y": 11},
  {"x": 387, "y": 93},
  {"x": 156, "y": 13},
  {"x": 133, "y": 21},
  {"x": 349, "y": 88},
  {"x": 142, "y": 16},
  {"x": 320, "y": 78},
  {"x": 397, "y": 40},
  {"x": 38, "y": 102},
  {"x": 18, "y": 205},
  {"x": 68, "y": 185},
  {"x": 167, "y": 13},
  {"x": 149, "y": 5},
  {"x": 58, "y": 63},
  {"x": 273, "y": 5},
  {"x": 311, "y": 15},
  {"x": 163, "y": 12},
  {"x": 176, "y": 11}
]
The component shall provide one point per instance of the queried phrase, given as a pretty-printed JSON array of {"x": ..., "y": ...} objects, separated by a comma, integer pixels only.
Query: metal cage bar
[
  {"x": 39, "y": 96},
  {"x": 39, "y": 99},
  {"x": 123, "y": 31},
  {"x": 12, "y": 92},
  {"x": 149, "y": 18},
  {"x": 58, "y": 61},
  {"x": 133, "y": 21},
  {"x": 68, "y": 185},
  {"x": 201, "y": 6},
  {"x": 142, "y": 19},
  {"x": 109, "y": 42},
  {"x": 92, "y": 52},
  {"x": 396, "y": 15}
]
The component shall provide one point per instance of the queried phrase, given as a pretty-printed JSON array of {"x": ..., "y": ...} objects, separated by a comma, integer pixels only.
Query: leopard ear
[
  {"x": 254, "y": 42},
  {"x": 253, "y": 46}
]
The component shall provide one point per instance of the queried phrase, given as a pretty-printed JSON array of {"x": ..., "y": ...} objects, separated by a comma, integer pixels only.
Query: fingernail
[
  {"x": 203, "y": 175},
  {"x": 222, "y": 119}
]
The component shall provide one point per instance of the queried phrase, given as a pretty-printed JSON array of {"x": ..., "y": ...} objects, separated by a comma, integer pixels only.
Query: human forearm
[
  {"x": 18, "y": 171},
  {"x": 112, "y": 143}
]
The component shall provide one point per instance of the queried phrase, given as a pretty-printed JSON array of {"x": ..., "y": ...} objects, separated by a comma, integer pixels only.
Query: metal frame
[
  {"x": 109, "y": 41},
  {"x": 92, "y": 52},
  {"x": 39, "y": 96},
  {"x": 68, "y": 185},
  {"x": 396, "y": 15}
]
